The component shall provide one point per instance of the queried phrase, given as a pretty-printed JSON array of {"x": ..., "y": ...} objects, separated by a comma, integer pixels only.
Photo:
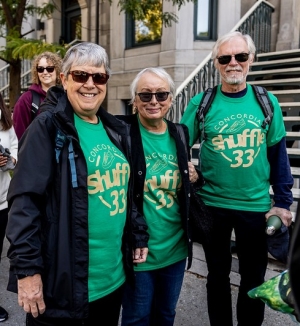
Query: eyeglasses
[
  {"x": 147, "y": 97},
  {"x": 240, "y": 57},
  {"x": 41, "y": 69},
  {"x": 83, "y": 76}
]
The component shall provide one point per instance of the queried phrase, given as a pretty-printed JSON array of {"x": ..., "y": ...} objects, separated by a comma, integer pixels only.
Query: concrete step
[
  {"x": 293, "y": 152},
  {"x": 290, "y": 105},
  {"x": 293, "y": 135},
  {"x": 295, "y": 171},
  {"x": 290, "y": 122},
  {"x": 273, "y": 83},
  {"x": 290, "y": 108},
  {"x": 286, "y": 54},
  {"x": 260, "y": 65},
  {"x": 270, "y": 73},
  {"x": 289, "y": 92}
]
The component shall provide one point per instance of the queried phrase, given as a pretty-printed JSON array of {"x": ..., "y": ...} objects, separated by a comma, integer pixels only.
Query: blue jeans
[
  {"x": 252, "y": 252},
  {"x": 153, "y": 300}
]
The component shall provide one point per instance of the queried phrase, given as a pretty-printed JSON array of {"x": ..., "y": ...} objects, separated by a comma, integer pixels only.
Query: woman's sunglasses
[
  {"x": 240, "y": 57},
  {"x": 82, "y": 77},
  {"x": 147, "y": 97},
  {"x": 41, "y": 69}
]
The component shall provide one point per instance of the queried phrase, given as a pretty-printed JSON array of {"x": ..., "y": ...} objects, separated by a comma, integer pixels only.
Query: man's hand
[
  {"x": 284, "y": 214},
  {"x": 30, "y": 295},
  {"x": 140, "y": 255}
]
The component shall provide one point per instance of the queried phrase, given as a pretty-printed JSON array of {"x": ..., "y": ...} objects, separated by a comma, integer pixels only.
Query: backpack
[
  {"x": 61, "y": 140},
  {"x": 261, "y": 96},
  {"x": 36, "y": 101}
]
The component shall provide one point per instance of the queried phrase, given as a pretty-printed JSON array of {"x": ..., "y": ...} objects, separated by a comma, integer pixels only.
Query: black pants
[
  {"x": 3, "y": 223},
  {"x": 102, "y": 312},
  {"x": 251, "y": 248}
]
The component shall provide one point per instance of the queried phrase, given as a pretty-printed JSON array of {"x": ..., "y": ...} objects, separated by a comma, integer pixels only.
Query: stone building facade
[{"x": 178, "y": 51}]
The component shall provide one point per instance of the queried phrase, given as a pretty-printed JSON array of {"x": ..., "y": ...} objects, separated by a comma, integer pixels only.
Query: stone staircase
[{"x": 279, "y": 73}]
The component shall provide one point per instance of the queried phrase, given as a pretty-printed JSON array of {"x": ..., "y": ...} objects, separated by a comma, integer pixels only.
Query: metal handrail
[{"x": 257, "y": 23}]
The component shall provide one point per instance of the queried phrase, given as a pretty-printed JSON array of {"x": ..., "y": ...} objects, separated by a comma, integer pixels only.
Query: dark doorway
[{"x": 71, "y": 21}]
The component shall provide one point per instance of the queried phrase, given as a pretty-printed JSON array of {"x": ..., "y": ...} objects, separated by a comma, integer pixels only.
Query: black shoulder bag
[{"x": 201, "y": 221}]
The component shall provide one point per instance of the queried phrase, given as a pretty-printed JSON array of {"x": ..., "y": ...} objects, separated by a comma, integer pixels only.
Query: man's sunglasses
[
  {"x": 82, "y": 77},
  {"x": 41, "y": 69},
  {"x": 147, "y": 97},
  {"x": 240, "y": 57}
]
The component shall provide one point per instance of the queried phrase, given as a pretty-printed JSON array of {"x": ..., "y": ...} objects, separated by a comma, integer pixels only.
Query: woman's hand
[
  {"x": 140, "y": 255},
  {"x": 3, "y": 160},
  {"x": 192, "y": 172},
  {"x": 30, "y": 295}
]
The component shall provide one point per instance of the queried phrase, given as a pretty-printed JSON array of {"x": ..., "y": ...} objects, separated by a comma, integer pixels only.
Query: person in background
[
  {"x": 161, "y": 193},
  {"x": 45, "y": 71},
  {"x": 294, "y": 263},
  {"x": 239, "y": 161},
  {"x": 8, "y": 159},
  {"x": 74, "y": 233}
]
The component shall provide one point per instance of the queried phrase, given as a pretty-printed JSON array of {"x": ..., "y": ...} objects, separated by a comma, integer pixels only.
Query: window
[
  {"x": 71, "y": 21},
  {"x": 147, "y": 31},
  {"x": 205, "y": 19}
]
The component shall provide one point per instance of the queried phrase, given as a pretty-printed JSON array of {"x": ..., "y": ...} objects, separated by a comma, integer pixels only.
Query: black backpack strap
[
  {"x": 263, "y": 98},
  {"x": 36, "y": 99},
  {"x": 205, "y": 102},
  {"x": 182, "y": 136}
]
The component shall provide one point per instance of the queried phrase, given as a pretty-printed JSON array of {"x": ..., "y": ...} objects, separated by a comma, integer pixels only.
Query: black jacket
[
  {"x": 48, "y": 225},
  {"x": 140, "y": 172}
]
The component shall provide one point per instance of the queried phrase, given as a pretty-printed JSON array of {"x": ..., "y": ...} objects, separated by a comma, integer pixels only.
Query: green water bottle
[{"x": 273, "y": 224}]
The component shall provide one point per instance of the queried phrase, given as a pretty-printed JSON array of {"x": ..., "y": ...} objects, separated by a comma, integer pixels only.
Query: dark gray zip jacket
[
  {"x": 140, "y": 173},
  {"x": 48, "y": 201}
]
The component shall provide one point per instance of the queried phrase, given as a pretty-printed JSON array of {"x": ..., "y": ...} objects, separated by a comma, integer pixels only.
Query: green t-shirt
[
  {"x": 167, "y": 243},
  {"x": 108, "y": 175},
  {"x": 233, "y": 156}
]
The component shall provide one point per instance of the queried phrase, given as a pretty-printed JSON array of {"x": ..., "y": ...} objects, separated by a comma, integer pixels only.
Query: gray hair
[
  {"x": 158, "y": 71},
  {"x": 227, "y": 37},
  {"x": 85, "y": 53}
]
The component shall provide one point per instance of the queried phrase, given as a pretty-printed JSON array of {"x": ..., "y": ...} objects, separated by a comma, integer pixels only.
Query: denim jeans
[
  {"x": 153, "y": 300},
  {"x": 251, "y": 248}
]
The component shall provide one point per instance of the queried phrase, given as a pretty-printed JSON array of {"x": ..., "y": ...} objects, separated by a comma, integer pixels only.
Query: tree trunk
[{"x": 14, "y": 82}]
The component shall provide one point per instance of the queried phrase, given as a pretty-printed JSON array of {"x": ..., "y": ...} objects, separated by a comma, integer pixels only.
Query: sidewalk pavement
[{"x": 191, "y": 308}]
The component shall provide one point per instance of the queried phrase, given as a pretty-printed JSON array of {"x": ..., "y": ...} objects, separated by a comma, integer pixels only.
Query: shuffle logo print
[
  {"x": 161, "y": 188},
  {"x": 242, "y": 145},
  {"x": 110, "y": 177}
]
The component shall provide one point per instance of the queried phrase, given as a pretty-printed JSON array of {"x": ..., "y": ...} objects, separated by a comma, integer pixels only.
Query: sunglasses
[
  {"x": 82, "y": 77},
  {"x": 41, "y": 69},
  {"x": 240, "y": 57},
  {"x": 147, "y": 97}
]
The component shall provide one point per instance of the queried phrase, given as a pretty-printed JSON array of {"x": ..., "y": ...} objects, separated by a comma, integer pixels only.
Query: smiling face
[
  {"x": 47, "y": 79},
  {"x": 234, "y": 73},
  {"x": 153, "y": 111},
  {"x": 87, "y": 97}
]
